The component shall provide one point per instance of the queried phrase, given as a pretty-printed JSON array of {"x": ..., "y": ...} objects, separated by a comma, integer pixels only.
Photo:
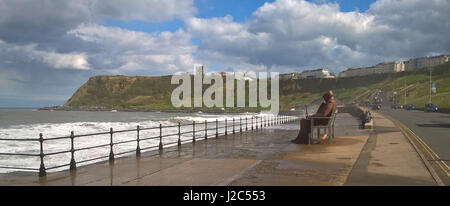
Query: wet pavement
[{"x": 260, "y": 157}]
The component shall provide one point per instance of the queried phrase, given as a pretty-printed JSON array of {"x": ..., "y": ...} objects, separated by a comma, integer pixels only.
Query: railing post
[
  {"x": 252, "y": 123},
  {"x": 233, "y": 125},
  {"x": 111, "y": 144},
  {"x": 256, "y": 122},
  {"x": 42, "y": 172},
  {"x": 160, "y": 139},
  {"x": 206, "y": 129},
  {"x": 73, "y": 164},
  {"x": 246, "y": 124},
  {"x": 179, "y": 134},
  {"x": 193, "y": 131},
  {"x": 240, "y": 124},
  {"x": 226, "y": 127},
  {"x": 217, "y": 128},
  {"x": 261, "y": 121},
  {"x": 138, "y": 148}
]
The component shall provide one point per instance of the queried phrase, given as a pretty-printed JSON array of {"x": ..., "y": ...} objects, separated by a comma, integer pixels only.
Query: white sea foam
[{"x": 51, "y": 130}]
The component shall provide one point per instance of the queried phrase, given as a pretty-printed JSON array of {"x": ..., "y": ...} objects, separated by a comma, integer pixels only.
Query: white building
[
  {"x": 293, "y": 75},
  {"x": 422, "y": 62},
  {"x": 199, "y": 69},
  {"x": 385, "y": 67},
  {"x": 389, "y": 67},
  {"x": 316, "y": 73},
  {"x": 353, "y": 72}
]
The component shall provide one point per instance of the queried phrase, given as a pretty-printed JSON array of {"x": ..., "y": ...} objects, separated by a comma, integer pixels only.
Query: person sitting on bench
[
  {"x": 365, "y": 118},
  {"x": 324, "y": 110}
]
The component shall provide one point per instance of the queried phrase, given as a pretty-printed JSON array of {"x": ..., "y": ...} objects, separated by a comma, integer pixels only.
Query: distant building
[
  {"x": 398, "y": 66},
  {"x": 308, "y": 74},
  {"x": 389, "y": 67},
  {"x": 411, "y": 64},
  {"x": 243, "y": 77},
  {"x": 293, "y": 75},
  {"x": 235, "y": 75},
  {"x": 199, "y": 69},
  {"x": 422, "y": 62},
  {"x": 385, "y": 67},
  {"x": 316, "y": 73},
  {"x": 353, "y": 72}
]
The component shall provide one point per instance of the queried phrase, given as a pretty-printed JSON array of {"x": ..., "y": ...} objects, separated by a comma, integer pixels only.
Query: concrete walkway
[
  {"x": 262, "y": 157},
  {"x": 389, "y": 159}
]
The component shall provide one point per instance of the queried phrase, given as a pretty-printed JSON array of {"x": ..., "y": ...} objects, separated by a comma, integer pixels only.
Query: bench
[
  {"x": 368, "y": 125},
  {"x": 330, "y": 126},
  {"x": 366, "y": 120}
]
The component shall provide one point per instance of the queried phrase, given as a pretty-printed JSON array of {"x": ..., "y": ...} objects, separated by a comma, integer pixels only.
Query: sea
[{"x": 29, "y": 123}]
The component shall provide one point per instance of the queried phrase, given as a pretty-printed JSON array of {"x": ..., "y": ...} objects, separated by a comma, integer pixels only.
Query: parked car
[
  {"x": 397, "y": 106},
  {"x": 430, "y": 108},
  {"x": 410, "y": 107}
]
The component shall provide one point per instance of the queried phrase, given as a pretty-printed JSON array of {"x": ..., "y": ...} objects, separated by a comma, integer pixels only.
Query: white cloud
[
  {"x": 53, "y": 59},
  {"x": 132, "y": 51},
  {"x": 60, "y": 61}
]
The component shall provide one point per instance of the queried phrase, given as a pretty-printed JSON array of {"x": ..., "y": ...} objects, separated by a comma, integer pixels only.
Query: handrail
[{"x": 229, "y": 125}]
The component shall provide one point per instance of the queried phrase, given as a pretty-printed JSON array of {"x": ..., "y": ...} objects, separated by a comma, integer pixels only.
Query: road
[{"x": 432, "y": 128}]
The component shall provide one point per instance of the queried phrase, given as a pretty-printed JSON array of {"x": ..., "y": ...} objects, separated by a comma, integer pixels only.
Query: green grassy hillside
[
  {"x": 418, "y": 84},
  {"x": 124, "y": 92}
]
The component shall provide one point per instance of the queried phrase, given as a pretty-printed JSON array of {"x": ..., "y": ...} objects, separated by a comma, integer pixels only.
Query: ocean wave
[{"x": 52, "y": 130}]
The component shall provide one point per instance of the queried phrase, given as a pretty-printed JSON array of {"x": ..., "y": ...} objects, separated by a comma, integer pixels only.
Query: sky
[{"x": 49, "y": 48}]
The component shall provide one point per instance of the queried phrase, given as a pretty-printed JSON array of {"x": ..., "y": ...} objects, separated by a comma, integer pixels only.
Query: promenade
[{"x": 378, "y": 156}]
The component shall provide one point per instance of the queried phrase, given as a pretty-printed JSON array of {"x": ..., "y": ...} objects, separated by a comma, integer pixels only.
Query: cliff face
[
  {"x": 123, "y": 92},
  {"x": 142, "y": 93}
]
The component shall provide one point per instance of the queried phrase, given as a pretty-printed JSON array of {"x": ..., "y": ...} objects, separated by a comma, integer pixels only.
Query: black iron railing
[{"x": 243, "y": 125}]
